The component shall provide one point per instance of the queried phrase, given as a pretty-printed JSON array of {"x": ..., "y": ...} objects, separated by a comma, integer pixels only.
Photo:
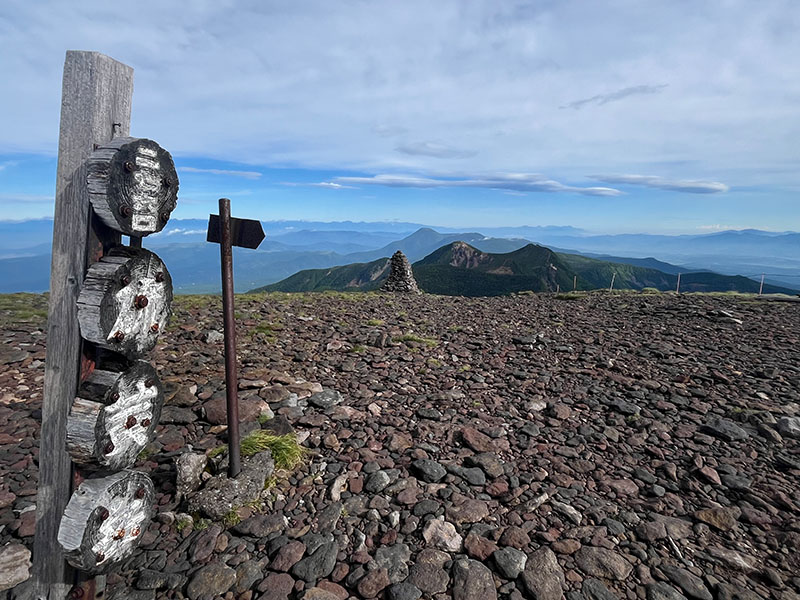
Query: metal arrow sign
[
  {"x": 246, "y": 233},
  {"x": 229, "y": 232}
]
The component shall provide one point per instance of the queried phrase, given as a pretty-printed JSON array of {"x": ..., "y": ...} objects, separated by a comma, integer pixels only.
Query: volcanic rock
[
  {"x": 221, "y": 495},
  {"x": 601, "y": 562},
  {"x": 543, "y": 576},
  {"x": 15, "y": 564},
  {"x": 472, "y": 581}
]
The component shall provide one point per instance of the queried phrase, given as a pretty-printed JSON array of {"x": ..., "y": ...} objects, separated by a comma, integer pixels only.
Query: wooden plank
[{"x": 96, "y": 95}]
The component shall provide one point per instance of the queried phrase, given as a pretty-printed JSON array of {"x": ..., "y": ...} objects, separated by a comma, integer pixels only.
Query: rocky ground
[{"x": 627, "y": 446}]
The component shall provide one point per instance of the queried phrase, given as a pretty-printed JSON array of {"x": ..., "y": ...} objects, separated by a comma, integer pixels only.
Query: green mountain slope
[
  {"x": 593, "y": 274},
  {"x": 462, "y": 270},
  {"x": 357, "y": 276}
]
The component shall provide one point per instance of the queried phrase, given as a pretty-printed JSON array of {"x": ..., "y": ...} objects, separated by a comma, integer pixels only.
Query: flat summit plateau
[{"x": 589, "y": 446}]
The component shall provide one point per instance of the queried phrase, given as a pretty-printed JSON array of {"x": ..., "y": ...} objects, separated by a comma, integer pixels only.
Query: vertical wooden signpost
[
  {"x": 228, "y": 231},
  {"x": 108, "y": 303}
]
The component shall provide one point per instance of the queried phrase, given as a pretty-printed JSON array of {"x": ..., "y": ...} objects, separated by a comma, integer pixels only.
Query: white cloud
[
  {"x": 179, "y": 231},
  {"x": 672, "y": 185},
  {"x": 389, "y": 130},
  {"x": 245, "y": 174},
  {"x": 433, "y": 149},
  {"x": 343, "y": 85},
  {"x": 26, "y": 199},
  {"x": 719, "y": 227},
  {"x": 332, "y": 185},
  {"x": 516, "y": 182},
  {"x": 600, "y": 99}
]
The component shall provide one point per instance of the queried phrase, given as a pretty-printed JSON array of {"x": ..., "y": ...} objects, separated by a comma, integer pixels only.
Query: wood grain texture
[
  {"x": 133, "y": 185},
  {"x": 114, "y": 416},
  {"x": 105, "y": 518},
  {"x": 125, "y": 301},
  {"x": 97, "y": 92}
]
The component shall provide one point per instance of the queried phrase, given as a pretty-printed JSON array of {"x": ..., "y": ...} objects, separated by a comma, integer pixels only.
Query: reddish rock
[
  {"x": 479, "y": 547},
  {"x": 479, "y": 442},
  {"x": 568, "y": 546},
  {"x": 515, "y": 537},
  {"x": 498, "y": 487},
  {"x": 287, "y": 556},
  {"x": 334, "y": 589},
  {"x": 373, "y": 583},
  {"x": 250, "y": 407},
  {"x": 724, "y": 518},
  {"x": 710, "y": 474},
  {"x": 623, "y": 486}
]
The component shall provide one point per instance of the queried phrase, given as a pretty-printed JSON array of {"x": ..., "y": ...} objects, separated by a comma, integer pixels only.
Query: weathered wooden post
[
  {"x": 107, "y": 305},
  {"x": 228, "y": 232}
]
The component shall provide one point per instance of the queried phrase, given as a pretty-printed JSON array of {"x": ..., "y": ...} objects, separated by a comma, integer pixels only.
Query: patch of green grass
[
  {"x": 650, "y": 290},
  {"x": 231, "y": 519},
  {"x": 268, "y": 328},
  {"x": 569, "y": 296},
  {"x": 270, "y": 482},
  {"x": 193, "y": 301},
  {"x": 23, "y": 307},
  {"x": 358, "y": 349},
  {"x": 215, "y": 452},
  {"x": 183, "y": 523},
  {"x": 412, "y": 337},
  {"x": 263, "y": 418},
  {"x": 286, "y": 451},
  {"x": 146, "y": 453},
  {"x": 434, "y": 362},
  {"x": 374, "y": 322},
  {"x": 201, "y": 524}
]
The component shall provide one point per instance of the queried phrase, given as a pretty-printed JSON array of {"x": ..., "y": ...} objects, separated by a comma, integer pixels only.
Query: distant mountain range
[
  {"x": 459, "y": 269},
  {"x": 293, "y": 246}
]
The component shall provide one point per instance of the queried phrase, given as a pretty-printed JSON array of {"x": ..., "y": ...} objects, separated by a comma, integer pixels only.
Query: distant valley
[{"x": 294, "y": 246}]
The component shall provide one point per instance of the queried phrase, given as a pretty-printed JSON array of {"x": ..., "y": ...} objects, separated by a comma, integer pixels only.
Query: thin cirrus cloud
[
  {"x": 331, "y": 185},
  {"x": 673, "y": 185},
  {"x": 517, "y": 182},
  {"x": 434, "y": 150},
  {"x": 26, "y": 199},
  {"x": 244, "y": 174},
  {"x": 600, "y": 99}
]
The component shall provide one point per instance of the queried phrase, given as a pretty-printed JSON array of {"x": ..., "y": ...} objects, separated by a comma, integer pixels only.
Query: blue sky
[{"x": 611, "y": 116}]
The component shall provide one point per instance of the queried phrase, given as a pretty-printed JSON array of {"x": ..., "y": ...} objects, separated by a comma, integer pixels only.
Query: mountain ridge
[{"x": 461, "y": 269}]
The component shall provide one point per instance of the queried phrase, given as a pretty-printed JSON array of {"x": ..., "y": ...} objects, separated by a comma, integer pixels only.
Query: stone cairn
[{"x": 401, "y": 277}]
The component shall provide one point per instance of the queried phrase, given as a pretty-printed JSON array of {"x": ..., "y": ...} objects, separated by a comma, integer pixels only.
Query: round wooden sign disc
[
  {"x": 113, "y": 418},
  {"x": 125, "y": 301},
  {"x": 133, "y": 185},
  {"x": 105, "y": 519}
]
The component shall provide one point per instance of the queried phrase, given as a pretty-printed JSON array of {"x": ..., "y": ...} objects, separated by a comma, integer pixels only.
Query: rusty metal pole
[{"x": 231, "y": 380}]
